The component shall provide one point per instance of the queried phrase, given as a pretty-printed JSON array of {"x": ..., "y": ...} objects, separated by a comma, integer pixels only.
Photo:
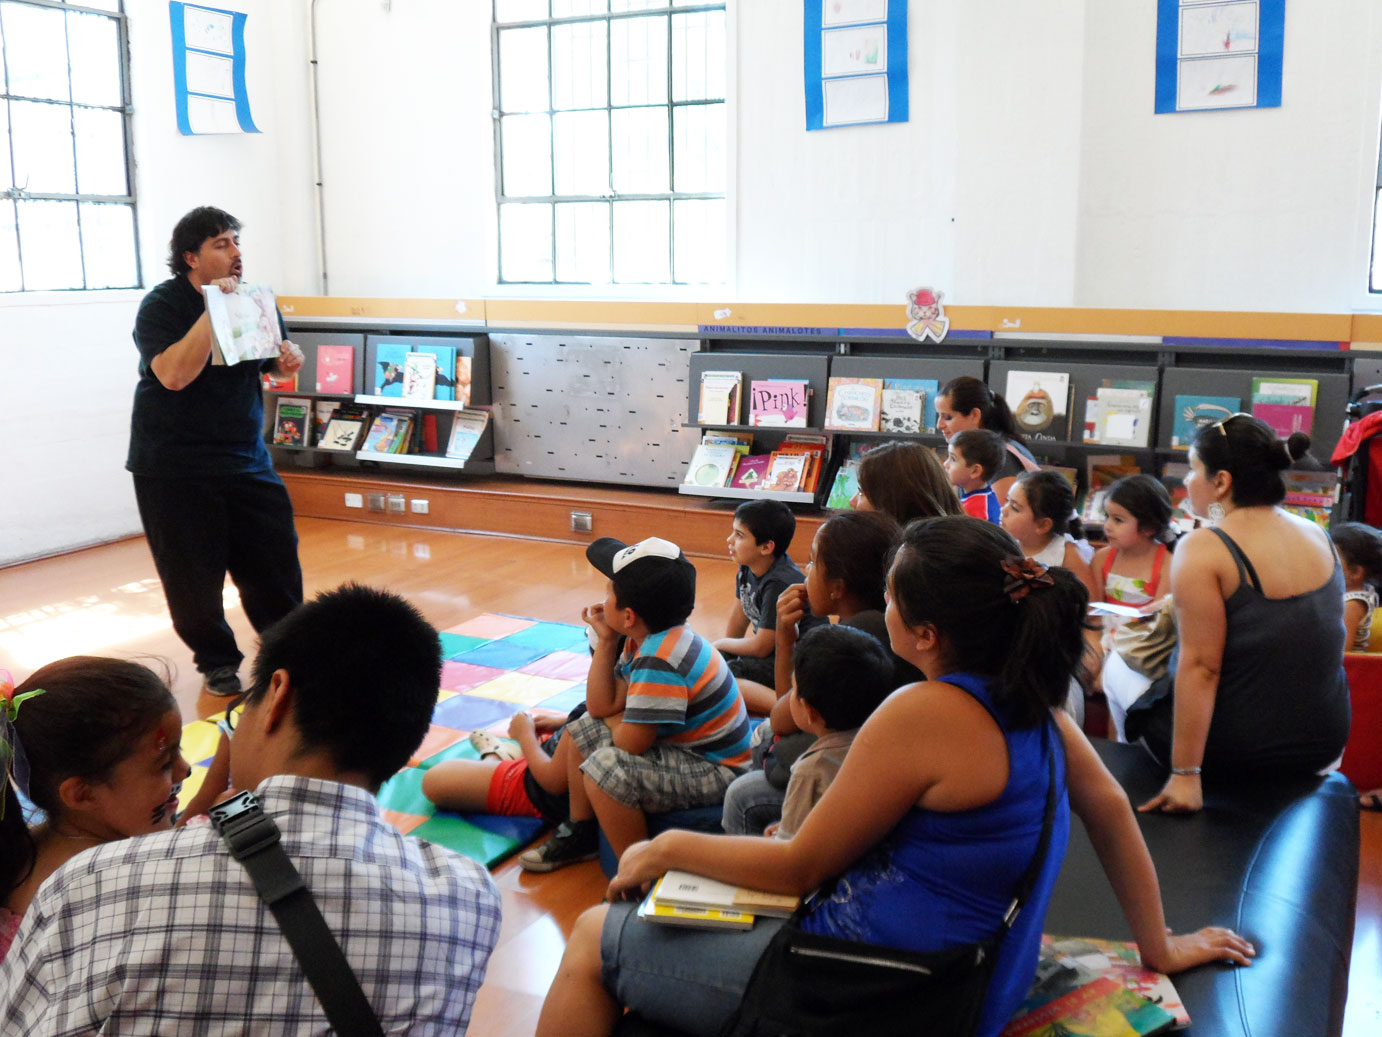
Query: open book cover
[
  {"x": 1119, "y": 960},
  {"x": 1067, "y": 999},
  {"x": 683, "y": 889},
  {"x": 244, "y": 323}
]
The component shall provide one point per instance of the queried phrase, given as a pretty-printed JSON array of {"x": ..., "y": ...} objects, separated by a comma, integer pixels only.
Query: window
[
  {"x": 610, "y": 141},
  {"x": 66, "y": 204}
]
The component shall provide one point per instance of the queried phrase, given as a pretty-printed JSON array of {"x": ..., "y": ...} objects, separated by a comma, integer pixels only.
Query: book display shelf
[{"x": 375, "y": 387}]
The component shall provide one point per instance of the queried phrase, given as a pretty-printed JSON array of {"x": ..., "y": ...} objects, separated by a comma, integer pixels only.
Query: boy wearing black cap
[{"x": 666, "y": 727}]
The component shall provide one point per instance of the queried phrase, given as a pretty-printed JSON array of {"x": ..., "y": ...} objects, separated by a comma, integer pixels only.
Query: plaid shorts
[{"x": 666, "y": 777}]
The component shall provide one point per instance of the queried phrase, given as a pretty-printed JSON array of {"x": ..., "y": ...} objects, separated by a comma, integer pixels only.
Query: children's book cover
[
  {"x": 711, "y": 465},
  {"x": 389, "y": 358},
  {"x": 752, "y": 472},
  {"x": 382, "y": 434},
  {"x": 322, "y": 413},
  {"x": 1192, "y": 413},
  {"x": 852, "y": 404},
  {"x": 779, "y": 402},
  {"x": 786, "y": 472},
  {"x": 419, "y": 376},
  {"x": 463, "y": 377},
  {"x": 719, "y": 400},
  {"x": 292, "y": 421},
  {"x": 244, "y": 323},
  {"x": 1096, "y": 1007},
  {"x": 1120, "y": 961},
  {"x": 274, "y": 382},
  {"x": 336, "y": 369},
  {"x": 845, "y": 486},
  {"x": 1124, "y": 417},
  {"x": 1040, "y": 402},
  {"x": 346, "y": 427},
  {"x": 902, "y": 405},
  {"x": 466, "y": 428}
]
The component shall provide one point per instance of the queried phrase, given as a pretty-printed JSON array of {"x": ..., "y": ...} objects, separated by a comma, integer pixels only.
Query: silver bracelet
[{"x": 1186, "y": 772}]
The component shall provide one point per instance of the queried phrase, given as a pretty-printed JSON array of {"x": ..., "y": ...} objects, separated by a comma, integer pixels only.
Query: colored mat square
[
  {"x": 565, "y": 701},
  {"x": 199, "y": 741},
  {"x": 568, "y": 666},
  {"x": 405, "y": 823},
  {"x": 521, "y": 830},
  {"x": 551, "y": 636},
  {"x": 436, "y": 739},
  {"x": 463, "y": 676},
  {"x": 502, "y": 655},
  {"x": 457, "y": 644},
  {"x": 403, "y": 793},
  {"x": 469, "y": 713},
  {"x": 456, "y": 833},
  {"x": 492, "y": 625},
  {"x": 190, "y": 786},
  {"x": 462, "y": 750},
  {"x": 519, "y": 688}
]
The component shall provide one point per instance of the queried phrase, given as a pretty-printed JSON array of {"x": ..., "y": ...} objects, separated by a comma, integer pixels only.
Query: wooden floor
[{"x": 107, "y": 600}]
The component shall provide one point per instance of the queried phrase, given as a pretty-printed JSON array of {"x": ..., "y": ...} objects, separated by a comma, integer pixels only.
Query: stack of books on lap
[{"x": 680, "y": 898}]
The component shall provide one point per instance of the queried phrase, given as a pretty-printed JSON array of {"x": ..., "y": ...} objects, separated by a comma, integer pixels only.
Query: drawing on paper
[
  {"x": 1218, "y": 83},
  {"x": 1220, "y": 29}
]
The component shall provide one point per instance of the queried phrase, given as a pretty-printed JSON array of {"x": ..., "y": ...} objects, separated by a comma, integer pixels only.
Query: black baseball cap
[{"x": 651, "y": 577}]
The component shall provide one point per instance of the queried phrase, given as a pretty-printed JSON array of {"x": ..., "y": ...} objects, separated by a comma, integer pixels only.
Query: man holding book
[{"x": 209, "y": 498}]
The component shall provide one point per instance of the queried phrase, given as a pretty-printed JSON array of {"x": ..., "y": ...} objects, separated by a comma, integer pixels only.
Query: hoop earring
[{"x": 1216, "y": 513}]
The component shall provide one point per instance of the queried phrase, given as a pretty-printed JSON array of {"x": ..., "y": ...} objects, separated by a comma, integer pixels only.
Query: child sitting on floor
[
  {"x": 758, "y": 543},
  {"x": 842, "y": 674},
  {"x": 973, "y": 457},
  {"x": 666, "y": 727},
  {"x": 1040, "y": 514},
  {"x": 1360, "y": 551}
]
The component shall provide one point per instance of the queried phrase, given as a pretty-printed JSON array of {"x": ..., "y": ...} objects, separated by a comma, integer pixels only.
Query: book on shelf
[
  {"x": 815, "y": 450},
  {"x": 419, "y": 376},
  {"x": 466, "y": 428},
  {"x": 751, "y": 472},
  {"x": 292, "y": 421},
  {"x": 908, "y": 405},
  {"x": 429, "y": 433},
  {"x": 711, "y": 465},
  {"x": 348, "y": 424},
  {"x": 336, "y": 369},
  {"x": 683, "y": 889},
  {"x": 652, "y": 910},
  {"x": 389, "y": 432},
  {"x": 463, "y": 377},
  {"x": 786, "y": 472},
  {"x": 1286, "y": 404},
  {"x": 1120, "y": 415},
  {"x": 1040, "y": 402},
  {"x": 1173, "y": 475},
  {"x": 719, "y": 399},
  {"x": 1311, "y": 495},
  {"x": 390, "y": 367},
  {"x": 741, "y": 441},
  {"x": 1192, "y": 413},
  {"x": 1119, "y": 961},
  {"x": 322, "y": 413},
  {"x": 779, "y": 402},
  {"x": 853, "y": 404},
  {"x": 1102, "y": 471},
  {"x": 845, "y": 486},
  {"x": 275, "y": 382},
  {"x": 244, "y": 323}
]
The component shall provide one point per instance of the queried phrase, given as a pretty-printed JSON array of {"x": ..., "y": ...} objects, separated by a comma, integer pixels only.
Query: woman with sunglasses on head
[{"x": 1259, "y": 686}]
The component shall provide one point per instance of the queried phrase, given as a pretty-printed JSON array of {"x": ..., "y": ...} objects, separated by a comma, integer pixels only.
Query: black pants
[{"x": 199, "y": 530}]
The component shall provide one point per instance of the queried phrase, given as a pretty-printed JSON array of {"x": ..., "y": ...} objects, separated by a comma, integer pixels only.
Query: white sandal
[{"x": 487, "y": 745}]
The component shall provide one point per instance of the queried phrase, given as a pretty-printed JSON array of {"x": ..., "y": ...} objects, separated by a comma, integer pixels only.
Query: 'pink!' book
[
  {"x": 336, "y": 369},
  {"x": 1285, "y": 418},
  {"x": 778, "y": 402}
]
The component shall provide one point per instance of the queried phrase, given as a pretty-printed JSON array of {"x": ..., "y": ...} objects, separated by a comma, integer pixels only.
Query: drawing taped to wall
[
  {"x": 855, "y": 57},
  {"x": 1218, "y": 54}
]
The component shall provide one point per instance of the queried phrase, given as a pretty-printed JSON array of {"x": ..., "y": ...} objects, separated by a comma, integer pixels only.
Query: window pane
[
  {"x": 635, "y": 5},
  {"x": 525, "y": 242},
  {"x": 100, "y": 151},
  {"x": 638, "y": 61},
  {"x": 640, "y": 150},
  {"x": 41, "y": 135},
  {"x": 519, "y": 10},
  {"x": 51, "y": 250},
  {"x": 582, "y": 152},
  {"x": 100, "y": 5},
  {"x": 37, "y": 53},
  {"x": 527, "y": 150},
  {"x": 9, "y": 249},
  {"x": 699, "y": 148},
  {"x": 699, "y": 233},
  {"x": 1377, "y": 244},
  {"x": 698, "y": 56},
  {"x": 640, "y": 242},
  {"x": 583, "y": 242},
  {"x": 523, "y": 70},
  {"x": 108, "y": 246},
  {"x": 566, "y": 8},
  {"x": 95, "y": 48},
  {"x": 578, "y": 65},
  {"x": 6, "y": 180}
]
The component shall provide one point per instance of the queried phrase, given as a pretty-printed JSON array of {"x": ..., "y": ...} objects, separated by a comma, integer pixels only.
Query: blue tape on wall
[
  {"x": 1214, "y": 54},
  {"x": 854, "y": 62},
  {"x": 209, "y": 70}
]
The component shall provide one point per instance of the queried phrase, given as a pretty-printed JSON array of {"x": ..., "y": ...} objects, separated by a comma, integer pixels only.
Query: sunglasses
[{"x": 1219, "y": 425}]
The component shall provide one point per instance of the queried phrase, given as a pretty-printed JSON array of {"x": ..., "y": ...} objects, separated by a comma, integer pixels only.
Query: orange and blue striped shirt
[{"x": 680, "y": 682}]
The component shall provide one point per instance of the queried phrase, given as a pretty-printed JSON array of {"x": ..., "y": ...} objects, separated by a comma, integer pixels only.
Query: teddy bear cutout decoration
[{"x": 926, "y": 316}]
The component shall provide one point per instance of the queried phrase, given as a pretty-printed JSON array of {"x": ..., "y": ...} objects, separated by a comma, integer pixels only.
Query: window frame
[
  {"x": 15, "y": 194},
  {"x": 667, "y": 9}
]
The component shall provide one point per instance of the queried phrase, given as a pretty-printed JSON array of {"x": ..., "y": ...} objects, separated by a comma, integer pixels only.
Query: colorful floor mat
[{"x": 494, "y": 666}]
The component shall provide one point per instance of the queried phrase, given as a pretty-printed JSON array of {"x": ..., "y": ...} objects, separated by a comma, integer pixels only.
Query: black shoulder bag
[
  {"x": 253, "y": 839},
  {"x": 806, "y": 985}
]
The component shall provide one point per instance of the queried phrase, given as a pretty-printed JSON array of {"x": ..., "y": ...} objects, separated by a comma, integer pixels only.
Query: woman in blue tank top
[{"x": 931, "y": 822}]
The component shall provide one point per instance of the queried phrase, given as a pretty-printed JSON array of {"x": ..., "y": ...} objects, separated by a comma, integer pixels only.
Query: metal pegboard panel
[{"x": 603, "y": 409}]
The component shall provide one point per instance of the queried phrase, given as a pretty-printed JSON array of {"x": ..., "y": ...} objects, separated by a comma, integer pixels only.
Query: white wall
[{"x": 67, "y": 363}]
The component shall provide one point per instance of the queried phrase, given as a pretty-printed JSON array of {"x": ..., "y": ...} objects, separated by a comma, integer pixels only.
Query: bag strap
[
  {"x": 254, "y": 841},
  {"x": 1028, "y": 882},
  {"x": 1027, "y": 463}
]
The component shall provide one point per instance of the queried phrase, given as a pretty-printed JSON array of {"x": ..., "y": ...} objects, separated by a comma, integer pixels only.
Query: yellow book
[{"x": 696, "y": 918}]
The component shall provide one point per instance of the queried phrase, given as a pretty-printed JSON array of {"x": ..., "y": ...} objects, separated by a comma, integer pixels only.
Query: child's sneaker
[{"x": 572, "y": 843}]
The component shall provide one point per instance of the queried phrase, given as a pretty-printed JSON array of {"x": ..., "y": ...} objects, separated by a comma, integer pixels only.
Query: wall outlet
[
  {"x": 376, "y": 502},
  {"x": 419, "y": 507},
  {"x": 581, "y": 522},
  {"x": 354, "y": 500},
  {"x": 397, "y": 503}
]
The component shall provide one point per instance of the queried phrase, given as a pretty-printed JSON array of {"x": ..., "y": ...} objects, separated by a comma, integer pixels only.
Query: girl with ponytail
[
  {"x": 945, "y": 774},
  {"x": 965, "y": 403}
]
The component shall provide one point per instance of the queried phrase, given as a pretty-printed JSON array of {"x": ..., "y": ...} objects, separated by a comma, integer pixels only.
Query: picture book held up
[{"x": 244, "y": 323}]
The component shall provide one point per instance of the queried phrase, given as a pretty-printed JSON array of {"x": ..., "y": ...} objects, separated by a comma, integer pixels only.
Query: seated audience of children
[{"x": 972, "y": 459}]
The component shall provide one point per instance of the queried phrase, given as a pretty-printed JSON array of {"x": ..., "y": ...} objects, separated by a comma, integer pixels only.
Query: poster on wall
[
  {"x": 1213, "y": 54},
  {"x": 855, "y": 54},
  {"x": 209, "y": 70}
]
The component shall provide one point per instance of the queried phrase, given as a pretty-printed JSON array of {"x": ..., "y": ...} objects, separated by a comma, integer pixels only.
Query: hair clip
[{"x": 1024, "y": 576}]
